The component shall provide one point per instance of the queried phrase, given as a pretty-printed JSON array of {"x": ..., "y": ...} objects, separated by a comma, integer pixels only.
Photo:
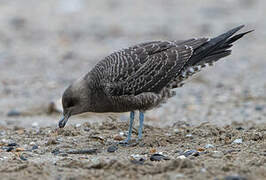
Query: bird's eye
[{"x": 70, "y": 103}]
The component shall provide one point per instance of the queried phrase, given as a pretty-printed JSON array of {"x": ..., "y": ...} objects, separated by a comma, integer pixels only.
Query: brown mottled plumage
[{"x": 142, "y": 77}]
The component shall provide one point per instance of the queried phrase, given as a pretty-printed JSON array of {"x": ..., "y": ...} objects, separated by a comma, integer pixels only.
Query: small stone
[
  {"x": 139, "y": 162},
  {"x": 203, "y": 170},
  {"x": 158, "y": 157},
  {"x": 12, "y": 144},
  {"x": 235, "y": 178},
  {"x": 77, "y": 125},
  {"x": 237, "y": 141},
  {"x": 34, "y": 147},
  {"x": 189, "y": 135},
  {"x": 181, "y": 157},
  {"x": 239, "y": 128},
  {"x": 176, "y": 131},
  {"x": 112, "y": 149},
  {"x": 137, "y": 157},
  {"x": 121, "y": 133},
  {"x": 55, "y": 151},
  {"x": 51, "y": 142},
  {"x": 95, "y": 161},
  {"x": 118, "y": 138},
  {"x": 9, "y": 149},
  {"x": 19, "y": 149},
  {"x": 217, "y": 154},
  {"x": 259, "y": 108},
  {"x": 189, "y": 152},
  {"x": 22, "y": 158},
  {"x": 200, "y": 149},
  {"x": 35, "y": 124},
  {"x": 13, "y": 112},
  {"x": 207, "y": 146},
  {"x": 87, "y": 129},
  {"x": 21, "y": 131},
  {"x": 152, "y": 151},
  {"x": 32, "y": 143}
]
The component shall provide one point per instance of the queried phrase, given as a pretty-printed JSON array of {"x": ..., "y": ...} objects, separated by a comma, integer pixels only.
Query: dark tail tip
[{"x": 238, "y": 36}]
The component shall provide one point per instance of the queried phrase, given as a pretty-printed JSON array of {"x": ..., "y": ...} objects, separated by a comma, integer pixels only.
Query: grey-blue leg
[
  {"x": 132, "y": 115},
  {"x": 141, "y": 119}
]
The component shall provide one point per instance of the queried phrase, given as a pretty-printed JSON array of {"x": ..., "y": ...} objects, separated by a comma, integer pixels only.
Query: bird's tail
[
  {"x": 208, "y": 53},
  {"x": 216, "y": 48}
]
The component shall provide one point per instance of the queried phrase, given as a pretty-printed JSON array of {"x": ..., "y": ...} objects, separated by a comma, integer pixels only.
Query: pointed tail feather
[{"x": 216, "y": 48}]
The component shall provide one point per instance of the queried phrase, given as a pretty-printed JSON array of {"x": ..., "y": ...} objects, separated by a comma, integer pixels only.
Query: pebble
[
  {"x": 19, "y": 149},
  {"x": 32, "y": 143},
  {"x": 203, "y": 170},
  {"x": 23, "y": 158},
  {"x": 139, "y": 162},
  {"x": 259, "y": 108},
  {"x": 152, "y": 151},
  {"x": 158, "y": 157},
  {"x": 13, "y": 112},
  {"x": 138, "y": 157},
  {"x": 209, "y": 146},
  {"x": 95, "y": 160},
  {"x": 189, "y": 135},
  {"x": 82, "y": 151},
  {"x": 118, "y": 138},
  {"x": 217, "y": 154},
  {"x": 237, "y": 141},
  {"x": 181, "y": 157},
  {"x": 176, "y": 131},
  {"x": 235, "y": 178},
  {"x": 112, "y": 149},
  {"x": 121, "y": 133},
  {"x": 51, "y": 142},
  {"x": 34, "y": 147},
  {"x": 87, "y": 129},
  {"x": 9, "y": 149},
  {"x": 12, "y": 144},
  {"x": 55, "y": 151},
  {"x": 35, "y": 124},
  {"x": 189, "y": 152},
  {"x": 174, "y": 176},
  {"x": 77, "y": 125},
  {"x": 240, "y": 128}
]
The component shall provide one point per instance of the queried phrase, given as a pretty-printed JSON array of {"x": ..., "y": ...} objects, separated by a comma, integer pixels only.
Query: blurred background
[{"x": 46, "y": 45}]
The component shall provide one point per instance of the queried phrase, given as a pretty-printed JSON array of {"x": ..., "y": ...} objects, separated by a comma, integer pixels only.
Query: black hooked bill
[{"x": 63, "y": 121}]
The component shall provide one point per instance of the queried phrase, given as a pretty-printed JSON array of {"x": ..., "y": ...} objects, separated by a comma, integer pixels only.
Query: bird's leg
[
  {"x": 132, "y": 115},
  {"x": 141, "y": 119}
]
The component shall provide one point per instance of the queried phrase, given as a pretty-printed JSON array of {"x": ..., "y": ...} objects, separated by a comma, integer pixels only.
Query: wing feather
[{"x": 146, "y": 67}]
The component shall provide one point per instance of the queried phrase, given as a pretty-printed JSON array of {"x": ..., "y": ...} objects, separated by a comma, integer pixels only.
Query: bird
[{"x": 143, "y": 76}]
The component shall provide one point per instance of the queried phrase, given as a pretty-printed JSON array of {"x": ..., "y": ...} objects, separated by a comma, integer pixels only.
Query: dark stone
[
  {"x": 189, "y": 152},
  {"x": 259, "y": 108},
  {"x": 13, "y": 112},
  {"x": 83, "y": 151},
  {"x": 55, "y": 151},
  {"x": 138, "y": 162},
  {"x": 34, "y": 147},
  {"x": 240, "y": 128},
  {"x": 235, "y": 178},
  {"x": 9, "y": 149},
  {"x": 12, "y": 144},
  {"x": 158, "y": 157},
  {"x": 112, "y": 149},
  {"x": 23, "y": 158}
]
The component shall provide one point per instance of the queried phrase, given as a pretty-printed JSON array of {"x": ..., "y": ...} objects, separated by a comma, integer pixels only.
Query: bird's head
[{"x": 75, "y": 100}]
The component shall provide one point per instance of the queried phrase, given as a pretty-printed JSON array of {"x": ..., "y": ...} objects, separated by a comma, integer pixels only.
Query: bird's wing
[{"x": 147, "y": 67}]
